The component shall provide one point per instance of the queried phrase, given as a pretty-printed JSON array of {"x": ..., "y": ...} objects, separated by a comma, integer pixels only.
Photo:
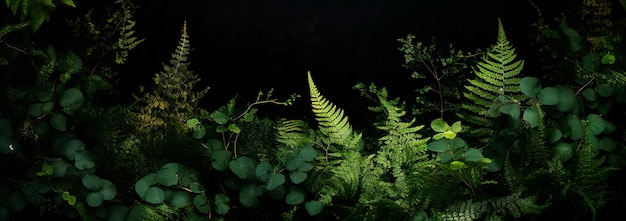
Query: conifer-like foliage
[
  {"x": 496, "y": 84},
  {"x": 174, "y": 98}
]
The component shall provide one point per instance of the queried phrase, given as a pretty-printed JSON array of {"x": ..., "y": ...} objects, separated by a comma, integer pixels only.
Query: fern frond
[
  {"x": 331, "y": 119},
  {"x": 8, "y": 28},
  {"x": 294, "y": 133},
  {"x": 496, "y": 76}
]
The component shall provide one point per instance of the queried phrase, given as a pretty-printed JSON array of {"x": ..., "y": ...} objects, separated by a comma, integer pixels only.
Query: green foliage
[
  {"x": 443, "y": 72},
  {"x": 36, "y": 12},
  {"x": 174, "y": 99},
  {"x": 495, "y": 90}
]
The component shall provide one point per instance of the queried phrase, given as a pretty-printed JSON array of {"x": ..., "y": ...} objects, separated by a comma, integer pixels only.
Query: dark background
[{"x": 244, "y": 46}]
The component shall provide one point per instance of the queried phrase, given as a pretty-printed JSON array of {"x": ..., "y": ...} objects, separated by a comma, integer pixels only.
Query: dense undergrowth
[{"x": 482, "y": 139}]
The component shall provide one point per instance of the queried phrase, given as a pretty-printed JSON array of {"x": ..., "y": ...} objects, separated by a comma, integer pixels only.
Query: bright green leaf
[
  {"x": 608, "y": 59},
  {"x": 234, "y": 128},
  {"x": 199, "y": 132},
  {"x": 449, "y": 135},
  {"x": 438, "y": 125},
  {"x": 456, "y": 127},
  {"x": 220, "y": 117}
]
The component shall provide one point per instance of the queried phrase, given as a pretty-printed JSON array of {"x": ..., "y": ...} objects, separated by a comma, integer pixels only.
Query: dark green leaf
[
  {"x": 92, "y": 182},
  {"x": 263, "y": 171},
  {"x": 84, "y": 160},
  {"x": 168, "y": 174},
  {"x": 314, "y": 207},
  {"x": 275, "y": 180},
  {"x": 221, "y": 160},
  {"x": 567, "y": 100},
  {"x": 439, "y": 146},
  {"x": 94, "y": 199},
  {"x": 71, "y": 97},
  {"x": 474, "y": 155},
  {"x": 248, "y": 195},
  {"x": 530, "y": 86},
  {"x": 154, "y": 195},
  {"x": 243, "y": 167},
  {"x": 58, "y": 122},
  {"x": 297, "y": 176},
  {"x": 179, "y": 199},
  {"x": 563, "y": 151},
  {"x": 549, "y": 96},
  {"x": 220, "y": 117},
  {"x": 295, "y": 196},
  {"x": 108, "y": 190},
  {"x": 596, "y": 124},
  {"x": 202, "y": 203},
  {"x": 531, "y": 115}
]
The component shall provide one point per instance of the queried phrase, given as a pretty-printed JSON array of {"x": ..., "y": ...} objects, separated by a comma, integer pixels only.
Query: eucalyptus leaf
[
  {"x": 92, "y": 182},
  {"x": 154, "y": 195},
  {"x": 220, "y": 117},
  {"x": 71, "y": 97}
]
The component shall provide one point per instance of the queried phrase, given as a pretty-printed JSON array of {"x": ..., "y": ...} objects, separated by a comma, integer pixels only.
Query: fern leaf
[
  {"x": 8, "y": 28},
  {"x": 331, "y": 119}
]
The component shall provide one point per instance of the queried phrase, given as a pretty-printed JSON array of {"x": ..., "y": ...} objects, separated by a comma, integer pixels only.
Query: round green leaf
[
  {"x": 59, "y": 122},
  {"x": 608, "y": 59},
  {"x": 180, "y": 198},
  {"x": 575, "y": 127},
  {"x": 567, "y": 100},
  {"x": 94, "y": 199},
  {"x": 196, "y": 187},
  {"x": 438, "y": 125},
  {"x": 60, "y": 168},
  {"x": 108, "y": 190},
  {"x": 307, "y": 153},
  {"x": 531, "y": 115},
  {"x": 199, "y": 132},
  {"x": 473, "y": 154},
  {"x": 275, "y": 180},
  {"x": 92, "y": 182},
  {"x": 563, "y": 151},
  {"x": 554, "y": 135},
  {"x": 248, "y": 195},
  {"x": 297, "y": 176},
  {"x": 84, "y": 160},
  {"x": 168, "y": 174},
  {"x": 42, "y": 128},
  {"x": 154, "y": 195},
  {"x": 305, "y": 167},
  {"x": 295, "y": 196},
  {"x": 293, "y": 163},
  {"x": 71, "y": 147},
  {"x": 511, "y": 109},
  {"x": 549, "y": 96},
  {"x": 202, "y": 203},
  {"x": 214, "y": 145},
  {"x": 607, "y": 144},
  {"x": 610, "y": 127},
  {"x": 221, "y": 159},
  {"x": 589, "y": 94},
  {"x": 243, "y": 167},
  {"x": 439, "y": 146},
  {"x": 456, "y": 127},
  {"x": 220, "y": 117},
  {"x": 234, "y": 128},
  {"x": 596, "y": 124},
  {"x": 263, "y": 171},
  {"x": 35, "y": 110},
  {"x": 142, "y": 185},
  {"x": 222, "y": 203},
  {"x": 71, "y": 97},
  {"x": 530, "y": 86},
  {"x": 605, "y": 91},
  {"x": 314, "y": 207}
]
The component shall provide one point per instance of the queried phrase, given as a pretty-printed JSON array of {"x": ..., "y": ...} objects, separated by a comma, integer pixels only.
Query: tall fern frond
[
  {"x": 331, "y": 119},
  {"x": 496, "y": 77}
]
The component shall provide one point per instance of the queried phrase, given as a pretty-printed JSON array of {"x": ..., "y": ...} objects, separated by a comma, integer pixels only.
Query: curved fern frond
[
  {"x": 294, "y": 133},
  {"x": 8, "y": 28},
  {"x": 331, "y": 120}
]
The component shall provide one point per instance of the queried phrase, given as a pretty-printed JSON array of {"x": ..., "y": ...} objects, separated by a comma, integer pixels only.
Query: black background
[{"x": 242, "y": 47}]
